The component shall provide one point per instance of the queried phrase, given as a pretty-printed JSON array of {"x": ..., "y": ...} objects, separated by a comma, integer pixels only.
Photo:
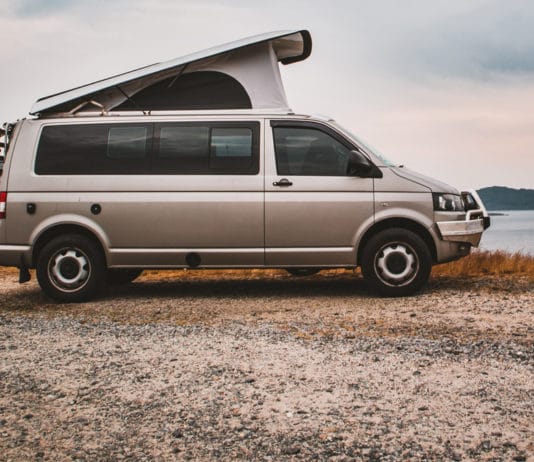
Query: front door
[{"x": 313, "y": 208}]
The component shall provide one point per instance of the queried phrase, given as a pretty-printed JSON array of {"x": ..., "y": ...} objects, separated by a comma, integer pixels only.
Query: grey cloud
[
  {"x": 489, "y": 41},
  {"x": 33, "y": 8},
  {"x": 27, "y": 8},
  {"x": 416, "y": 39}
]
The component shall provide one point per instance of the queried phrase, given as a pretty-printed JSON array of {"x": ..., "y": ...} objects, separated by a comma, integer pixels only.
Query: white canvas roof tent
[{"x": 238, "y": 75}]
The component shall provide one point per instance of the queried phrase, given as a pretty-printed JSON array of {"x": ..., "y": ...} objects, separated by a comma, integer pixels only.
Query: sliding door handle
[{"x": 283, "y": 182}]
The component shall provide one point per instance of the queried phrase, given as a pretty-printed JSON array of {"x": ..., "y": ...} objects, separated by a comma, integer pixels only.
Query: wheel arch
[
  {"x": 398, "y": 222},
  {"x": 58, "y": 229}
]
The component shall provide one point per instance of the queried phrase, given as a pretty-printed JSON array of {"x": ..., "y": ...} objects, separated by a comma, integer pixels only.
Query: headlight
[{"x": 447, "y": 202}]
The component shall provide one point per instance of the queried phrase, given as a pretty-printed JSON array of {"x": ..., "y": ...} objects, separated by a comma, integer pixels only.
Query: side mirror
[{"x": 358, "y": 164}]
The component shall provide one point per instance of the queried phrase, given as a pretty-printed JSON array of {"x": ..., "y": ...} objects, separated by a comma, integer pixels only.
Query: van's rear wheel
[
  {"x": 396, "y": 262},
  {"x": 71, "y": 268},
  {"x": 120, "y": 276}
]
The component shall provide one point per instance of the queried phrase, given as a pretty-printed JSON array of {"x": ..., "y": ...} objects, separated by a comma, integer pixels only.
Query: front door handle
[{"x": 283, "y": 182}]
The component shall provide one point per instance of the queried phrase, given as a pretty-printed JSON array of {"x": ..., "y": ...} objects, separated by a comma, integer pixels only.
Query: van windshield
[{"x": 367, "y": 146}]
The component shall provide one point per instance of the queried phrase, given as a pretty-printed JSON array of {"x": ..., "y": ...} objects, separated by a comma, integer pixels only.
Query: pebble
[{"x": 290, "y": 450}]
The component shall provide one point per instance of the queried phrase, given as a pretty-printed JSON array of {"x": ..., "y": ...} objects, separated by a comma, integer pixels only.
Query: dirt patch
[
  {"x": 335, "y": 303},
  {"x": 258, "y": 365}
]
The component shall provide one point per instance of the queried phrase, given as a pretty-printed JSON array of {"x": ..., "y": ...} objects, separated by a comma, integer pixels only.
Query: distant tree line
[{"x": 503, "y": 198}]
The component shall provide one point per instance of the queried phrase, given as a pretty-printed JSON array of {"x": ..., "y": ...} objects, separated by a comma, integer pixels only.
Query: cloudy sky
[{"x": 443, "y": 87}]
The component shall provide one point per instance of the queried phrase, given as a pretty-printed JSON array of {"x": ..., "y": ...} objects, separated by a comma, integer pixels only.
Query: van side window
[
  {"x": 197, "y": 148},
  {"x": 231, "y": 142},
  {"x": 176, "y": 142},
  {"x": 304, "y": 151},
  {"x": 93, "y": 149},
  {"x": 231, "y": 148},
  {"x": 127, "y": 142},
  {"x": 205, "y": 148}
]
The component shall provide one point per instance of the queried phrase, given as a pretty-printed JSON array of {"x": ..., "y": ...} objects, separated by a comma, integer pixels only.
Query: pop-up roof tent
[{"x": 239, "y": 75}]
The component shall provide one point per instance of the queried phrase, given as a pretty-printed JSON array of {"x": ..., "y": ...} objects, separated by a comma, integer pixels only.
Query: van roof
[
  {"x": 127, "y": 116},
  {"x": 239, "y": 75}
]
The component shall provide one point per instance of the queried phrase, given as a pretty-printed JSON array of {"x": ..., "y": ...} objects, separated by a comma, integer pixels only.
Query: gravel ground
[{"x": 255, "y": 365}]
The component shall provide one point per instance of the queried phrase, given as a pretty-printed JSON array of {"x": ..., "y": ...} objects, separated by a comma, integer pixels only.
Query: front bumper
[
  {"x": 462, "y": 231},
  {"x": 470, "y": 230}
]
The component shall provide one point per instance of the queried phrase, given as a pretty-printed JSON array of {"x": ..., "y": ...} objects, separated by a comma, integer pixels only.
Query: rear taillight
[{"x": 3, "y": 201}]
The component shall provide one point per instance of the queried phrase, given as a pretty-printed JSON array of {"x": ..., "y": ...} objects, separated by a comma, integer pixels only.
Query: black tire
[
  {"x": 120, "y": 276},
  {"x": 396, "y": 262},
  {"x": 71, "y": 268},
  {"x": 302, "y": 272}
]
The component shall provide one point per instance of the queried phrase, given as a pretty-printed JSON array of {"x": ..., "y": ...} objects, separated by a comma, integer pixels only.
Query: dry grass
[
  {"x": 478, "y": 263},
  {"x": 482, "y": 263}
]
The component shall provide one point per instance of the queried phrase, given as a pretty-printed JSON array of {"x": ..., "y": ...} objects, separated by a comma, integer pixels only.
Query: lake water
[{"x": 513, "y": 232}]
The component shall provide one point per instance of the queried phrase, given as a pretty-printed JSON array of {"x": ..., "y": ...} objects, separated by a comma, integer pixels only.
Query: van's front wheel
[
  {"x": 71, "y": 268},
  {"x": 396, "y": 262}
]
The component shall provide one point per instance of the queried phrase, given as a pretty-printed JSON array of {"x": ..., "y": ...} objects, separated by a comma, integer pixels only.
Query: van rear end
[
  {"x": 9, "y": 255},
  {"x": 4, "y": 144}
]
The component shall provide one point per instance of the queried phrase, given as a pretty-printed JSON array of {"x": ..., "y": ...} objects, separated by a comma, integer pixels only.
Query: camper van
[{"x": 199, "y": 163}]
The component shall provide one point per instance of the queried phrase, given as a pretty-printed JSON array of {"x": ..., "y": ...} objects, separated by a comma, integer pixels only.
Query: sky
[{"x": 445, "y": 88}]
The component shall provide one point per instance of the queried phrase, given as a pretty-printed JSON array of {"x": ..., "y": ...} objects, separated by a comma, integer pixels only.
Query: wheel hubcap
[
  {"x": 396, "y": 264},
  {"x": 69, "y": 269}
]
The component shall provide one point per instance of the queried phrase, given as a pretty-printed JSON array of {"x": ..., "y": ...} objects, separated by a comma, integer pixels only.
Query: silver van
[{"x": 195, "y": 163}]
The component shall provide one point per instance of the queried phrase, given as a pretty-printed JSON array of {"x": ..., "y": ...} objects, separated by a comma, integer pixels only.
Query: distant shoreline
[
  {"x": 506, "y": 211},
  {"x": 507, "y": 199}
]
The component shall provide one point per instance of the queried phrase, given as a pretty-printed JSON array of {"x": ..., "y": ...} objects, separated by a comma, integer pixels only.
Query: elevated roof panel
[{"x": 289, "y": 46}]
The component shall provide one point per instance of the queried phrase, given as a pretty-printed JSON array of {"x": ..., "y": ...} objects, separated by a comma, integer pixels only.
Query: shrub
[{"x": 495, "y": 263}]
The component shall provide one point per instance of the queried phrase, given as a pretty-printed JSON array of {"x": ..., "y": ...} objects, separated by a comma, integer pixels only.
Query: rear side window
[
  {"x": 127, "y": 142},
  {"x": 179, "y": 142},
  {"x": 202, "y": 148},
  {"x": 102, "y": 149},
  {"x": 231, "y": 142},
  {"x": 207, "y": 148}
]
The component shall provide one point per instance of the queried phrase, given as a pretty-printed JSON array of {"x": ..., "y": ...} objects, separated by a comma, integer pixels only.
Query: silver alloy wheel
[
  {"x": 396, "y": 264},
  {"x": 69, "y": 269}
]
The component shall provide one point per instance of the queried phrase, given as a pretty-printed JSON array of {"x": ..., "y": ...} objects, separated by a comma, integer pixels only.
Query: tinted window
[
  {"x": 127, "y": 142},
  {"x": 183, "y": 142},
  {"x": 205, "y": 148},
  {"x": 231, "y": 149},
  {"x": 309, "y": 151},
  {"x": 231, "y": 142},
  {"x": 189, "y": 148},
  {"x": 93, "y": 149}
]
